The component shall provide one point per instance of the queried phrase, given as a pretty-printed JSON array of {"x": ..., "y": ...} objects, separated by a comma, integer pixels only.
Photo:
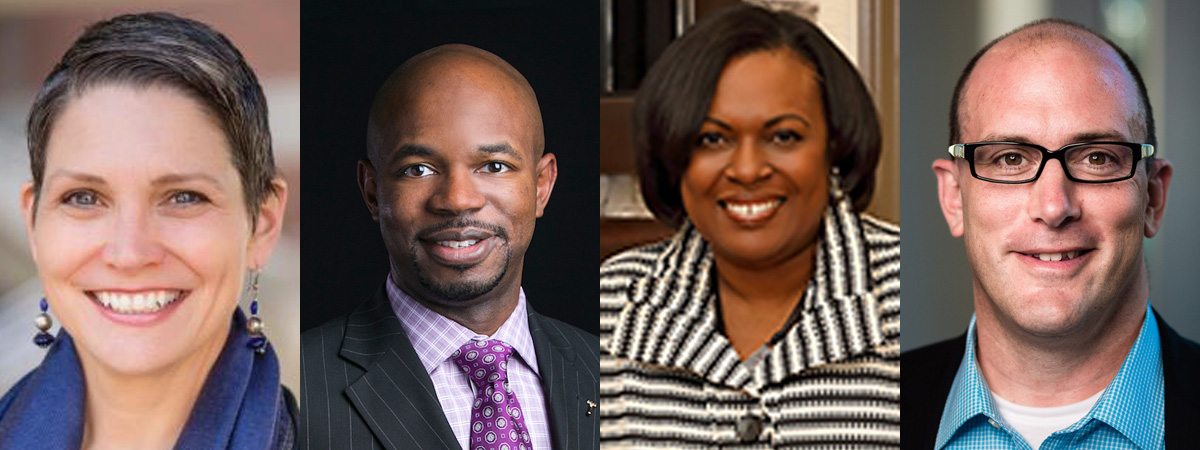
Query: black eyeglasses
[{"x": 1085, "y": 162}]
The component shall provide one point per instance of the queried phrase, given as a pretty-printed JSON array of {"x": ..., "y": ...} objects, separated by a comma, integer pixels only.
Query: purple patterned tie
[{"x": 496, "y": 422}]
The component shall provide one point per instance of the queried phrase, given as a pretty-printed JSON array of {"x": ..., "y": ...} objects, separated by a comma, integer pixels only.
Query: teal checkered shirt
[{"x": 1129, "y": 415}]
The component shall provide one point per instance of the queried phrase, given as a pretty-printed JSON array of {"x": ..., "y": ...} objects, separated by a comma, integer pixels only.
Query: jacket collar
[
  {"x": 670, "y": 319},
  {"x": 395, "y": 391}
]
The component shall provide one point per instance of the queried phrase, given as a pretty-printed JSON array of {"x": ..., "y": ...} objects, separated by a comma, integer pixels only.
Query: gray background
[{"x": 937, "y": 38}]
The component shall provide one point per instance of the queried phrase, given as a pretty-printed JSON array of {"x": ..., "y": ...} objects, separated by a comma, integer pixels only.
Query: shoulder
[
  {"x": 9, "y": 397},
  {"x": 631, "y": 264},
  {"x": 883, "y": 240},
  {"x": 1181, "y": 363},
  {"x": 586, "y": 345},
  {"x": 325, "y": 340},
  {"x": 619, "y": 273},
  {"x": 949, "y": 351},
  {"x": 1181, "y": 351},
  {"x": 933, "y": 367},
  {"x": 288, "y": 422},
  {"x": 928, "y": 374}
]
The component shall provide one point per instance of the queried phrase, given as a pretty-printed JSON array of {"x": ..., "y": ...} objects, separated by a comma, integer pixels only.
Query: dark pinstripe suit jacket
[{"x": 362, "y": 385}]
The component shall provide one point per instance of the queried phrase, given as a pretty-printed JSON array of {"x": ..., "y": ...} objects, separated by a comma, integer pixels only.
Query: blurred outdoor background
[
  {"x": 937, "y": 38},
  {"x": 33, "y": 36}
]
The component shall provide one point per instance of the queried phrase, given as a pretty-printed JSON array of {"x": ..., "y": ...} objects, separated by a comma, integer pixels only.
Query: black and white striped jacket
[{"x": 670, "y": 378}]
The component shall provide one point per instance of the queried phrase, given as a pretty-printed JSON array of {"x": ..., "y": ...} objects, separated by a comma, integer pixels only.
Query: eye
[
  {"x": 187, "y": 198},
  {"x": 785, "y": 137},
  {"x": 82, "y": 198},
  {"x": 710, "y": 140},
  {"x": 1098, "y": 159},
  {"x": 496, "y": 167},
  {"x": 417, "y": 171},
  {"x": 1012, "y": 159}
]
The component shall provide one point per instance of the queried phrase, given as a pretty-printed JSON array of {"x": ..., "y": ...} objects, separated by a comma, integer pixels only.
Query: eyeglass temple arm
[
  {"x": 956, "y": 150},
  {"x": 1147, "y": 150}
]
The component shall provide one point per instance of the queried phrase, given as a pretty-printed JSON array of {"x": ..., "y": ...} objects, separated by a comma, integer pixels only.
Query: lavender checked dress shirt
[{"x": 435, "y": 339}]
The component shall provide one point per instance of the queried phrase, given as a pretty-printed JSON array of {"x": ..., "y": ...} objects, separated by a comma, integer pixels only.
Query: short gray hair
[{"x": 161, "y": 49}]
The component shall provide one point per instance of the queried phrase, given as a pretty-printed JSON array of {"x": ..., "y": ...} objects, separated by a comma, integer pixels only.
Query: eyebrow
[
  {"x": 77, "y": 176},
  {"x": 1088, "y": 136},
  {"x": 418, "y": 150},
  {"x": 173, "y": 178},
  {"x": 411, "y": 150},
  {"x": 781, "y": 118},
  {"x": 502, "y": 147},
  {"x": 176, "y": 178},
  {"x": 768, "y": 124}
]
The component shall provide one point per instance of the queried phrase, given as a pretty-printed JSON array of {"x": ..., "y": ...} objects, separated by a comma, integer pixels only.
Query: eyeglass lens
[{"x": 1092, "y": 162}]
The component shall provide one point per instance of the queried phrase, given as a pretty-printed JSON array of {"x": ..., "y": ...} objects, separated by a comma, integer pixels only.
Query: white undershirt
[{"x": 1036, "y": 424}]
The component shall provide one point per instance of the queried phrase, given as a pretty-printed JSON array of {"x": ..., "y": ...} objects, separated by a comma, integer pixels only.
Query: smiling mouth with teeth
[
  {"x": 458, "y": 244},
  {"x": 751, "y": 211},
  {"x": 1061, "y": 256},
  {"x": 136, "y": 303}
]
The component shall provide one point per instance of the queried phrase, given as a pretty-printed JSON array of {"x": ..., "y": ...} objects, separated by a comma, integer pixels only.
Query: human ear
[
  {"x": 547, "y": 174},
  {"x": 28, "y": 203},
  {"x": 367, "y": 185},
  {"x": 269, "y": 224},
  {"x": 950, "y": 194},
  {"x": 1156, "y": 202}
]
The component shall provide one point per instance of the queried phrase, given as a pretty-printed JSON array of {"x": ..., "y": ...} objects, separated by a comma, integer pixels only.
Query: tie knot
[{"x": 484, "y": 362}]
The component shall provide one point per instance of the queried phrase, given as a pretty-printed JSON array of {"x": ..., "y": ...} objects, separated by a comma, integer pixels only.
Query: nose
[
  {"x": 133, "y": 240},
  {"x": 748, "y": 164},
  {"x": 456, "y": 193},
  {"x": 1053, "y": 201}
]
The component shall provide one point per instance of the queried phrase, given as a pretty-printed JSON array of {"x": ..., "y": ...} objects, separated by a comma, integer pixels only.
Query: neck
[
  {"x": 482, "y": 315},
  {"x": 756, "y": 302},
  {"x": 143, "y": 410},
  {"x": 1044, "y": 371}
]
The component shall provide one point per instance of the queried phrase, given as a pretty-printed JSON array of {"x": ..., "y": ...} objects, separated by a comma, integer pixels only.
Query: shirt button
[
  {"x": 993, "y": 422},
  {"x": 749, "y": 427}
]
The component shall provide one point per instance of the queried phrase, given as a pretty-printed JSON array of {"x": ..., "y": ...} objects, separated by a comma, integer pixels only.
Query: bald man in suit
[{"x": 447, "y": 353}]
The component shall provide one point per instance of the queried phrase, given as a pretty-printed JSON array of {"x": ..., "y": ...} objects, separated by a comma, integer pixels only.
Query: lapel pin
[{"x": 591, "y": 405}]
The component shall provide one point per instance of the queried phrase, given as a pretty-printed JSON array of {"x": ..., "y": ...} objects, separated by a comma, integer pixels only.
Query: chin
[
  {"x": 166, "y": 345},
  {"x": 1048, "y": 314},
  {"x": 132, "y": 355},
  {"x": 751, "y": 252}
]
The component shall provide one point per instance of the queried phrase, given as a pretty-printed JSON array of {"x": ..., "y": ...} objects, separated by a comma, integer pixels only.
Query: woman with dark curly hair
[{"x": 771, "y": 318}]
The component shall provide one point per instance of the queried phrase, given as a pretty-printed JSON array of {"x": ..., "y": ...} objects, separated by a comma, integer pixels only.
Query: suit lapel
[
  {"x": 566, "y": 393},
  {"x": 395, "y": 396}
]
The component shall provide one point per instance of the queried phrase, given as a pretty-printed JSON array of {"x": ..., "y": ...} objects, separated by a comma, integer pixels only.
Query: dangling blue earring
[
  {"x": 254, "y": 325},
  {"x": 43, "y": 323}
]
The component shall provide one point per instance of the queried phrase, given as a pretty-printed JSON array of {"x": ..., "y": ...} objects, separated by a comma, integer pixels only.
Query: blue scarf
[{"x": 241, "y": 406}]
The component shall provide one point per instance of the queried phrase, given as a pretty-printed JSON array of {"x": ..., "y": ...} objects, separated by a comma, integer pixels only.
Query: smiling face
[
  {"x": 459, "y": 189},
  {"x": 140, "y": 233},
  {"x": 1054, "y": 255},
  {"x": 758, "y": 182}
]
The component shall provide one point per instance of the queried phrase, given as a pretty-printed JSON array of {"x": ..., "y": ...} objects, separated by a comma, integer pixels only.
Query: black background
[{"x": 351, "y": 48}]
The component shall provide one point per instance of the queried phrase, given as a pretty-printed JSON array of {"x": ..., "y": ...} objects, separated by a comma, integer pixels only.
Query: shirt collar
[
  {"x": 435, "y": 337},
  {"x": 969, "y": 396},
  {"x": 1134, "y": 394},
  {"x": 670, "y": 318}
]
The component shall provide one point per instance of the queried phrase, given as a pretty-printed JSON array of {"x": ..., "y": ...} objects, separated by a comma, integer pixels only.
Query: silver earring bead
[
  {"x": 254, "y": 325},
  {"x": 43, "y": 322}
]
